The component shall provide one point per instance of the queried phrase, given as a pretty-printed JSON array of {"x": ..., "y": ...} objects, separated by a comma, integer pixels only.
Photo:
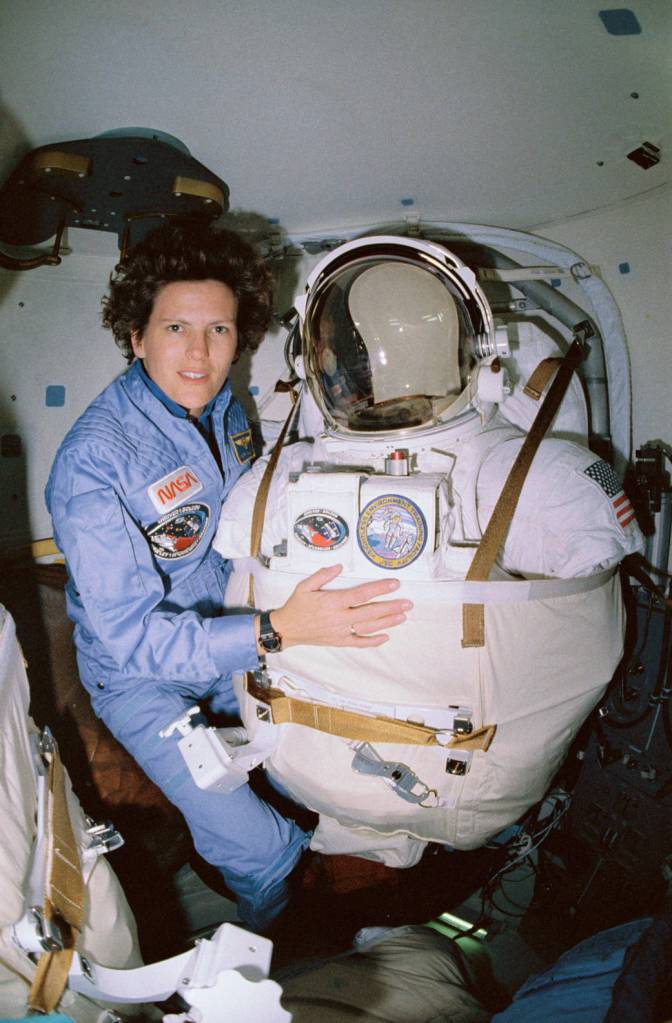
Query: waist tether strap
[{"x": 349, "y": 724}]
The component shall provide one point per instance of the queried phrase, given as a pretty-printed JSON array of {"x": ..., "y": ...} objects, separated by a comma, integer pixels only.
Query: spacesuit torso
[{"x": 416, "y": 503}]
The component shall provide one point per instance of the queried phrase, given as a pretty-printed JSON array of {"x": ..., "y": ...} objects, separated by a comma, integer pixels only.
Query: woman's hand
[{"x": 350, "y": 617}]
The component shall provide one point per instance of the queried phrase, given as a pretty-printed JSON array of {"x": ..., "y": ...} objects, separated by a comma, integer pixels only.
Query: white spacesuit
[{"x": 414, "y": 412}]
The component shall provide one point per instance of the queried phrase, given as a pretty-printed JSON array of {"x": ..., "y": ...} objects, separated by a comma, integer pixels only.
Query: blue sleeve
[
  {"x": 112, "y": 570},
  {"x": 578, "y": 987}
]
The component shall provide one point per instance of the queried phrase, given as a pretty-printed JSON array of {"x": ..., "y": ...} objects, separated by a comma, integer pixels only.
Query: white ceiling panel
[{"x": 330, "y": 112}]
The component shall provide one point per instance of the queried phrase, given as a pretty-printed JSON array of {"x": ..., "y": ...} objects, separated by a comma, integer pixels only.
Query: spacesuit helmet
[{"x": 392, "y": 332}]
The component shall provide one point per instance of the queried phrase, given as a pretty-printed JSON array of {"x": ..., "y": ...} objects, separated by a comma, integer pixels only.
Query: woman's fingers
[
  {"x": 374, "y": 625},
  {"x": 318, "y": 579},
  {"x": 365, "y": 641},
  {"x": 316, "y": 616},
  {"x": 364, "y": 592},
  {"x": 379, "y": 610},
  {"x": 351, "y": 595}
]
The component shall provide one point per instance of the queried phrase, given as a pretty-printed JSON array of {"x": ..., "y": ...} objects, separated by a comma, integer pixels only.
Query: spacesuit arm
[
  {"x": 115, "y": 581},
  {"x": 232, "y": 539},
  {"x": 573, "y": 518}
]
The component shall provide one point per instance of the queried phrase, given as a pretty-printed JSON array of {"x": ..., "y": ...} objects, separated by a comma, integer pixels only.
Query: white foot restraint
[{"x": 222, "y": 977}]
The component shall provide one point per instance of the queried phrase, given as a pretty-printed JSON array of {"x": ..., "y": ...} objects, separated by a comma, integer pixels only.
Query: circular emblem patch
[
  {"x": 392, "y": 531},
  {"x": 179, "y": 532},
  {"x": 321, "y": 529}
]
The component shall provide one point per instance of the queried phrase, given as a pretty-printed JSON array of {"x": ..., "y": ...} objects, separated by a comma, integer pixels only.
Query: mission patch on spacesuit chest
[
  {"x": 392, "y": 531},
  {"x": 321, "y": 529}
]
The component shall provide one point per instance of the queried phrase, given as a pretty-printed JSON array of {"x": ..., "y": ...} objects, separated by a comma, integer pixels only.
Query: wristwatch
[{"x": 269, "y": 639}]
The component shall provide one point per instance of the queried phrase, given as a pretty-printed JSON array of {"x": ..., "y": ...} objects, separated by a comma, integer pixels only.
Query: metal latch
[
  {"x": 462, "y": 724},
  {"x": 398, "y": 776},
  {"x": 34, "y": 933},
  {"x": 46, "y": 744},
  {"x": 103, "y": 838},
  {"x": 458, "y": 762}
]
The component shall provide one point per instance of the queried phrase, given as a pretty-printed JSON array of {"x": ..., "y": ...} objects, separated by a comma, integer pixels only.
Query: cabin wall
[
  {"x": 55, "y": 356},
  {"x": 632, "y": 245}
]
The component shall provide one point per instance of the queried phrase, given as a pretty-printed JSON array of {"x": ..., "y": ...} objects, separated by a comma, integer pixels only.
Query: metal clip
[
  {"x": 87, "y": 969},
  {"x": 413, "y": 225},
  {"x": 103, "y": 837},
  {"x": 581, "y": 271},
  {"x": 583, "y": 331},
  {"x": 34, "y": 933},
  {"x": 398, "y": 776},
  {"x": 46, "y": 744},
  {"x": 458, "y": 762},
  {"x": 462, "y": 725},
  {"x": 261, "y": 678},
  {"x": 262, "y": 681}
]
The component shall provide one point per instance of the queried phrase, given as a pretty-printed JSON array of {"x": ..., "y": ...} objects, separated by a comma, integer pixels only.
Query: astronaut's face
[{"x": 190, "y": 341}]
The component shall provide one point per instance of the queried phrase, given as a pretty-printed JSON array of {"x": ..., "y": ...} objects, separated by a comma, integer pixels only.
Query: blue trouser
[{"x": 252, "y": 845}]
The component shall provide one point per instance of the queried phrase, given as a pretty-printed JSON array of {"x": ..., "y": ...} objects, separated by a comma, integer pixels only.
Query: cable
[
  {"x": 523, "y": 845},
  {"x": 620, "y": 717}
]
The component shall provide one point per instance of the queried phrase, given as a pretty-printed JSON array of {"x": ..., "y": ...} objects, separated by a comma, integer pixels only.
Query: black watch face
[{"x": 270, "y": 643}]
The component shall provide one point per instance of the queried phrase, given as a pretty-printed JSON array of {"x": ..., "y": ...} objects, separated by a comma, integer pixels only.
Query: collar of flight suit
[
  {"x": 178, "y": 410},
  {"x": 136, "y": 383}
]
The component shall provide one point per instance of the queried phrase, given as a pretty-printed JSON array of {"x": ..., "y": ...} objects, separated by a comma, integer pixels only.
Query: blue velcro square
[
  {"x": 619, "y": 21},
  {"x": 55, "y": 396}
]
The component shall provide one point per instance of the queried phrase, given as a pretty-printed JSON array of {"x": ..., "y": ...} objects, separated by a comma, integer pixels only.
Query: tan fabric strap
[
  {"x": 473, "y": 615},
  {"x": 261, "y": 500},
  {"x": 541, "y": 375},
  {"x": 348, "y": 724},
  {"x": 64, "y": 895}
]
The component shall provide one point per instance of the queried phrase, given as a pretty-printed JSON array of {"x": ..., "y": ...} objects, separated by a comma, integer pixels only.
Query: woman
[{"x": 134, "y": 494}]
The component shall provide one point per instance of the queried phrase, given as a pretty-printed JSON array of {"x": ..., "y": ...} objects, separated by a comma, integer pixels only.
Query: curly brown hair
[{"x": 188, "y": 251}]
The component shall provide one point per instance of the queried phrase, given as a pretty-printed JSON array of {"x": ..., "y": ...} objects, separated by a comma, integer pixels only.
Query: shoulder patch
[
  {"x": 601, "y": 473},
  {"x": 178, "y": 486},
  {"x": 242, "y": 446}
]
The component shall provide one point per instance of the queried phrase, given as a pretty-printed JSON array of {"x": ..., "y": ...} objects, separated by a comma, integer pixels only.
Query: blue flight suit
[{"x": 134, "y": 495}]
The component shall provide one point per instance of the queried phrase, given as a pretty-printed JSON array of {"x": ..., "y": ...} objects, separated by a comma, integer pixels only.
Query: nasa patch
[
  {"x": 242, "y": 446},
  {"x": 179, "y": 532},
  {"x": 392, "y": 531},
  {"x": 321, "y": 530},
  {"x": 171, "y": 490}
]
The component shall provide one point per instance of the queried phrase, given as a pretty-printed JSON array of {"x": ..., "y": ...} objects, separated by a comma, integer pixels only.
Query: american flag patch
[{"x": 602, "y": 474}]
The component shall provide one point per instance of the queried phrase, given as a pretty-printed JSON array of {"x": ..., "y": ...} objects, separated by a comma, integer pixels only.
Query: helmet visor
[{"x": 389, "y": 345}]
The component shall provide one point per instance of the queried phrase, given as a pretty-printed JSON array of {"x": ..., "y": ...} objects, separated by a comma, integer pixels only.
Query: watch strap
[{"x": 269, "y": 639}]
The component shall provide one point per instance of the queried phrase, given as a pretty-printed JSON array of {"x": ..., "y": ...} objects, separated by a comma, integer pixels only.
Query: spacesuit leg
[{"x": 252, "y": 845}]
